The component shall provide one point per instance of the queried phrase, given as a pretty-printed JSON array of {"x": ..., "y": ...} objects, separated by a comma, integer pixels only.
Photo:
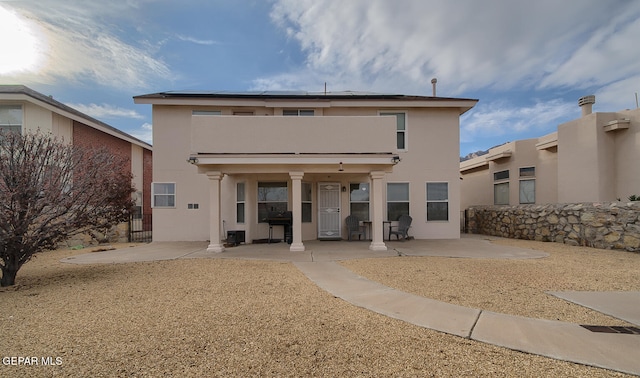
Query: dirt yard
[{"x": 221, "y": 317}]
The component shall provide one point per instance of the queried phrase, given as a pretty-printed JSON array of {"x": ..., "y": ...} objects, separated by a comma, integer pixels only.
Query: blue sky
[{"x": 527, "y": 62}]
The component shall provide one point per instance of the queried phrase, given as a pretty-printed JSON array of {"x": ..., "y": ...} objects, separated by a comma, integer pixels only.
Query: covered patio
[{"x": 331, "y": 170}]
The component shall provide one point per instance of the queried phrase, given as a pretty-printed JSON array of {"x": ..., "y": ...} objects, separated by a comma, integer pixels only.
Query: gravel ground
[
  {"x": 516, "y": 287},
  {"x": 220, "y": 317}
]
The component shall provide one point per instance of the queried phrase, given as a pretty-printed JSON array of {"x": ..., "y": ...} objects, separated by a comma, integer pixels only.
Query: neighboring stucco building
[
  {"x": 225, "y": 161},
  {"x": 591, "y": 159},
  {"x": 25, "y": 110}
]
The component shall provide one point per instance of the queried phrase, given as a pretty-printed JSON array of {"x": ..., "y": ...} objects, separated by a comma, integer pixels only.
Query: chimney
[
  {"x": 586, "y": 102},
  {"x": 433, "y": 84}
]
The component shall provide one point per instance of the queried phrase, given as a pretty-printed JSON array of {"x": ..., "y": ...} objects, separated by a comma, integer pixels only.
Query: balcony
[{"x": 237, "y": 135}]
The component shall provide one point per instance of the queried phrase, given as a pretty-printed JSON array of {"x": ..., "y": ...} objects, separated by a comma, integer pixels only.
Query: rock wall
[
  {"x": 117, "y": 234},
  {"x": 614, "y": 225}
]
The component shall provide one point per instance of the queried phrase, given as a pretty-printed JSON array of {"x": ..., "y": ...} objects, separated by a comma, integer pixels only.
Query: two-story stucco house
[
  {"x": 24, "y": 110},
  {"x": 229, "y": 161}
]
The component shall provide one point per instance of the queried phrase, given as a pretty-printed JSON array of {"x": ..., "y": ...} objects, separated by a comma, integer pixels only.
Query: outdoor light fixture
[
  {"x": 192, "y": 160},
  {"x": 396, "y": 159},
  {"x": 340, "y": 169}
]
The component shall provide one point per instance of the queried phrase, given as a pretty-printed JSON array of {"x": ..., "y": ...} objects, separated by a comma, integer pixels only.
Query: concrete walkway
[{"x": 559, "y": 340}]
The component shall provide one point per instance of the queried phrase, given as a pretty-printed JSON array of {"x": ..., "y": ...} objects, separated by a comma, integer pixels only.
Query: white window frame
[
  {"x": 299, "y": 112},
  {"x": 206, "y": 112},
  {"x": 9, "y": 126},
  {"x": 407, "y": 201},
  {"x": 437, "y": 201},
  {"x": 265, "y": 201},
  {"x": 241, "y": 201},
  {"x": 526, "y": 177},
  {"x": 153, "y": 195},
  {"x": 406, "y": 126},
  {"x": 368, "y": 201},
  {"x": 501, "y": 182},
  {"x": 307, "y": 202}
]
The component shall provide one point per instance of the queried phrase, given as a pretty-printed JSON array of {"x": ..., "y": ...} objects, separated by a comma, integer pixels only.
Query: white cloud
[
  {"x": 144, "y": 133},
  {"x": 106, "y": 111},
  {"x": 618, "y": 95},
  {"x": 79, "y": 43},
  {"x": 499, "y": 119},
  {"x": 467, "y": 44},
  {"x": 206, "y": 42}
]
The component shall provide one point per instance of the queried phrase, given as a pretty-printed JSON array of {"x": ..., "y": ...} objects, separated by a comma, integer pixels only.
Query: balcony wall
[{"x": 276, "y": 134}]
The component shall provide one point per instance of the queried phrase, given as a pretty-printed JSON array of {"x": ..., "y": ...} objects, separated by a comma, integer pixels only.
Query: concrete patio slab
[
  {"x": 146, "y": 252},
  {"x": 623, "y": 305}
]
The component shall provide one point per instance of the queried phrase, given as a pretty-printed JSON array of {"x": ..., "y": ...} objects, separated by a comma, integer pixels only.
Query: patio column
[
  {"x": 296, "y": 210},
  {"x": 214, "y": 212},
  {"x": 377, "y": 207}
]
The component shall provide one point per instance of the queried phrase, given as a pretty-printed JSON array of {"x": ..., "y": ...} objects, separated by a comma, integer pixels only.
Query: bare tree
[{"x": 50, "y": 191}]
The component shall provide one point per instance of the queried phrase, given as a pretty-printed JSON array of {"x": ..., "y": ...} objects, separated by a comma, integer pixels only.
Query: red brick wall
[{"x": 84, "y": 135}]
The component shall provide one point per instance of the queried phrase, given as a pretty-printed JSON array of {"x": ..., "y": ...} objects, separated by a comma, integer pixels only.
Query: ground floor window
[
  {"x": 437, "y": 201},
  {"x": 397, "y": 200},
  {"x": 163, "y": 194},
  {"x": 501, "y": 193},
  {"x": 527, "y": 191},
  {"x": 359, "y": 200},
  {"x": 272, "y": 197},
  {"x": 240, "y": 201},
  {"x": 307, "y": 203}
]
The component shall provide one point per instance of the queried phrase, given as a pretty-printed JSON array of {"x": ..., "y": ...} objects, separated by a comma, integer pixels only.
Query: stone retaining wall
[
  {"x": 614, "y": 225},
  {"x": 117, "y": 234}
]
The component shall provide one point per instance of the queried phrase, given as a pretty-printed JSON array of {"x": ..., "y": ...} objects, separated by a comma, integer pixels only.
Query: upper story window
[
  {"x": 11, "y": 118},
  {"x": 206, "y": 112},
  {"x": 298, "y": 112},
  {"x": 401, "y": 128}
]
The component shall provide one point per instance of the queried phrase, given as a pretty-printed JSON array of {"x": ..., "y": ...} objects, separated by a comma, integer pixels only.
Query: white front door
[{"x": 329, "y": 210}]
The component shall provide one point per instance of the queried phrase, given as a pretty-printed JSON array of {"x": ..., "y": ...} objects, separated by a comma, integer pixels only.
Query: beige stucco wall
[
  {"x": 37, "y": 118},
  {"x": 473, "y": 188},
  {"x": 62, "y": 127},
  {"x": 137, "y": 166},
  {"x": 172, "y": 138},
  {"x": 432, "y": 156},
  {"x": 627, "y": 147},
  {"x": 585, "y": 160},
  {"x": 259, "y": 134},
  {"x": 590, "y": 162},
  {"x": 478, "y": 183}
]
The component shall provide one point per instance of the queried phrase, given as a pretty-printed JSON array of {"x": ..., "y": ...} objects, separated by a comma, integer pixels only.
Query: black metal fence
[
  {"x": 464, "y": 225},
  {"x": 140, "y": 228}
]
